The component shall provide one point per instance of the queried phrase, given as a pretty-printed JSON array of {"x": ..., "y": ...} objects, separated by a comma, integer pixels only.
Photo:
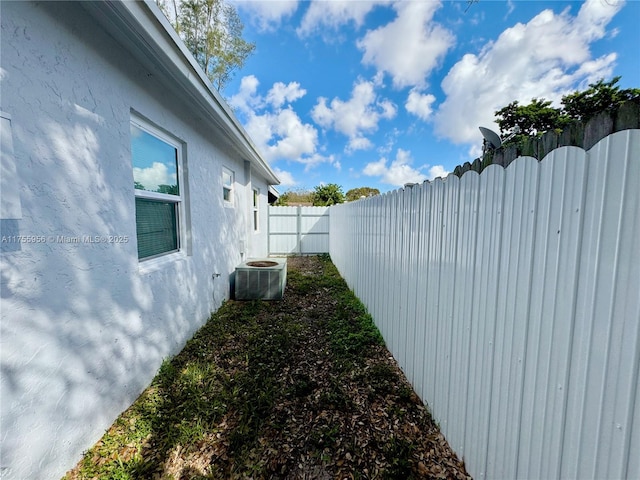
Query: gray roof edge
[
  {"x": 274, "y": 191},
  {"x": 145, "y": 22}
]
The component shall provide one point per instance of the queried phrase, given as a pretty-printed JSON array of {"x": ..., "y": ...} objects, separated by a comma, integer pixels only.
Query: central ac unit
[{"x": 261, "y": 279}]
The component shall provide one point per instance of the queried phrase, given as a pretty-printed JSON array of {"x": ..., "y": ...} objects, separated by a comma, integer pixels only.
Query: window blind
[{"x": 157, "y": 227}]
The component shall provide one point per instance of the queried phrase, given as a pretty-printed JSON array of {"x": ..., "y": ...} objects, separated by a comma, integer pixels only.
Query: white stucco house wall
[{"x": 100, "y": 280}]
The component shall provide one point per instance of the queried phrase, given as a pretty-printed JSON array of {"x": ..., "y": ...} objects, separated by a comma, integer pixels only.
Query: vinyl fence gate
[{"x": 298, "y": 230}]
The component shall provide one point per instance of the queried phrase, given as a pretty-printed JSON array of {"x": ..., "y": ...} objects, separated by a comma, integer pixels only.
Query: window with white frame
[
  {"x": 256, "y": 203},
  {"x": 227, "y": 185},
  {"x": 157, "y": 176}
]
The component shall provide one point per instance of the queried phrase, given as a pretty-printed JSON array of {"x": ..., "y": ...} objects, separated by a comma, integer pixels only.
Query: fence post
[{"x": 299, "y": 230}]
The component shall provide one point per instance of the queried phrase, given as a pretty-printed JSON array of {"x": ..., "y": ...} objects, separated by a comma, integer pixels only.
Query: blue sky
[{"x": 381, "y": 93}]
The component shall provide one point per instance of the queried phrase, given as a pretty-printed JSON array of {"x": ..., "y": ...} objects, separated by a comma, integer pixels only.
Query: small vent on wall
[{"x": 261, "y": 279}]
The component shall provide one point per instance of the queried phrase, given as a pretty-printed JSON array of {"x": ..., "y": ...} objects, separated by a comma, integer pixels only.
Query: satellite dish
[{"x": 491, "y": 137}]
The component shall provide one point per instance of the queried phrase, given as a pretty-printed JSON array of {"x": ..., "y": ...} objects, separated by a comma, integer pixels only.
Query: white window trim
[
  {"x": 11, "y": 205},
  {"x": 231, "y": 173},
  {"x": 149, "y": 264},
  {"x": 255, "y": 209}
]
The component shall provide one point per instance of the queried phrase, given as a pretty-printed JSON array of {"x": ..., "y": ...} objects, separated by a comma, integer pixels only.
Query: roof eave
[{"x": 144, "y": 28}]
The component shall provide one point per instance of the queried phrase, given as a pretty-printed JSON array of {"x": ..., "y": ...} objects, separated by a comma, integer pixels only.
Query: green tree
[
  {"x": 212, "y": 31},
  {"x": 599, "y": 97},
  {"x": 539, "y": 116},
  {"x": 170, "y": 189},
  {"x": 295, "y": 197},
  {"x": 325, "y": 195},
  {"x": 283, "y": 200},
  {"x": 356, "y": 193},
  {"x": 532, "y": 119}
]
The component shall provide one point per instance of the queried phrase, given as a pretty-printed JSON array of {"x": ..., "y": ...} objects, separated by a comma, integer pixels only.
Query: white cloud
[
  {"x": 155, "y": 175},
  {"x": 475, "y": 150},
  {"x": 511, "y": 6},
  {"x": 282, "y": 135},
  {"x": 267, "y": 15},
  {"x": 546, "y": 58},
  {"x": 437, "y": 171},
  {"x": 359, "y": 143},
  {"x": 247, "y": 98},
  {"x": 281, "y": 93},
  {"x": 286, "y": 178},
  {"x": 316, "y": 159},
  {"x": 355, "y": 117},
  {"x": 398, "y": 172},
  {"x": 390, "y": 139},
  {"x": 409, "y": 47},
  {"x": 275, "y": 128},
  {"x": 261, "y": 130},
  {"x": 388, "y": 108},
  {"x": 420, "y": 104},
  {"x": 332, "y": 14}
]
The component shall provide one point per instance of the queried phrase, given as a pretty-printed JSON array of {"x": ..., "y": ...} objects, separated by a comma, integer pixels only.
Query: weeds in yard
[
  {"x": 299, "y": 388},
  {"x": 398, "y": 453}
]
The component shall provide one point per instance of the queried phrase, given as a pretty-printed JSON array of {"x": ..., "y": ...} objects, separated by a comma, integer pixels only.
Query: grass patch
[
  {"x": 351, "y": 328},
  {"x": 285, "y": 389},
  {"x": 191, "y": 395}
]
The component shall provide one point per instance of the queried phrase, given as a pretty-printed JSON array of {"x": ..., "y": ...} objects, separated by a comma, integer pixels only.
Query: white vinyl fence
[
  {"x": 298, "y": 230},
  {"x": 511, "y": 300}
]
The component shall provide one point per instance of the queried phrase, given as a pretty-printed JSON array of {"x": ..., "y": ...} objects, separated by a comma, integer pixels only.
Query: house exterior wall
[
  {"x": 258, "y": 246},
  {"x": 85, "y": 325}
]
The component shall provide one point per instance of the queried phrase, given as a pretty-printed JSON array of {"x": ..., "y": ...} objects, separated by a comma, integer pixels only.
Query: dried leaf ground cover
[{"x": 301, "y": 388}]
